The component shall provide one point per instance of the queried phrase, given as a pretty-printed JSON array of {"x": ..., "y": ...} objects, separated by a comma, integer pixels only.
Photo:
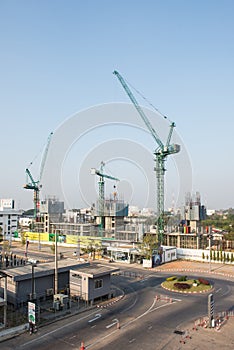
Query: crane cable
[{"x": 149, "y": 103}]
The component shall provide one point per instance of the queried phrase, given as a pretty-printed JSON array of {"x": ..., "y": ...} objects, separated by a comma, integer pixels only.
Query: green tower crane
[
  {"x": 36, "y": 185},
  {"x": 161, "y": 153},
  {"x": 101, "y": 187},
  {"x": 33, "y": 185}
]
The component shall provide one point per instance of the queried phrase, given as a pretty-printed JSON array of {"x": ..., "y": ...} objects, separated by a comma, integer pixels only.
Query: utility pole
[
  {"x": 78, "y": 248},
  {"x": 4, "y": 275},
  {"x": 39, "y": 240},
  {"x": 33, "y": 283},
  {"x": 209, "y": 236},
  {"x": 5, "y": 302},
  {"x": 56, "y": 264}
]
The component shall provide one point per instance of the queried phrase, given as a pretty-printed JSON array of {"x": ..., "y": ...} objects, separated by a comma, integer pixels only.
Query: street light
[
  {"x": 209, "y": 236},
  {"x": 78, "y": 247},
  {"x": 56, "y": 264},
  {"x": 33, "y": 283}
]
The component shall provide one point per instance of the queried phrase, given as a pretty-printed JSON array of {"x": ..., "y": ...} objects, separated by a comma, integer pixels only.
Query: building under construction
[{"x": 114, "y": 212}]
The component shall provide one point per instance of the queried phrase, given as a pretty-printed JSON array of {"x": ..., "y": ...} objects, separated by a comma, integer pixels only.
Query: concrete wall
[
  {"x": 20, "y": 290},
  {"x": 99, "y": 292},
  {"x": 197, "y": 255}
]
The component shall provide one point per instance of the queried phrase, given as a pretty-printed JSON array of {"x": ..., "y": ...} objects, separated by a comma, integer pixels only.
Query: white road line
[
  {"x": 97, "y": 316},
  {"x": 132, "y": 340},
  {"x": 57, "y": 329},
  {"x": 115, "y": 321}
]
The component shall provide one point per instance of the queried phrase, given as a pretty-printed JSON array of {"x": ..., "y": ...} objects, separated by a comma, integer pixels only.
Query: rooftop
[{"x": 95, "y": 270}]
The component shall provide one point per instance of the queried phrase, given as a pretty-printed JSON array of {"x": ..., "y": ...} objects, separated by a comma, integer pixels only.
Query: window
[{"x": 98, "y": 284}]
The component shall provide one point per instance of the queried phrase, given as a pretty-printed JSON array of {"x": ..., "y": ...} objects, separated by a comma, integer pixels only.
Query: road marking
[
  {"x": 218, "y": 290},
  {"x": 125, "y": 325},
  {"x": 132, "y": 340},
  {"x": 115, "y": 321},
  {"x": 74, "y": 336},
  {"x": 57, "y": 329},
  {"x": 97, "y": 316}
]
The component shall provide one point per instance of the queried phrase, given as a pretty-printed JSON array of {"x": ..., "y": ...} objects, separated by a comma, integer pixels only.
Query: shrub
[
  {"x": 203, "y": 281},
  {"x": 172, "y": 278},
  {"x": 182, "y": 285},
  {"x": 182, "y": 279}
]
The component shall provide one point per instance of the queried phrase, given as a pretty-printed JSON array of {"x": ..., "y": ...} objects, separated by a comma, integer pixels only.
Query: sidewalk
[
  {"x": 225, "y": 270},
  {"x": 203, "y": 338}
]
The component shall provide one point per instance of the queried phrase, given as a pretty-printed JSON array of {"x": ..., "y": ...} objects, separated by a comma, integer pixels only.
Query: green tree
[{"x": 149, "y": 244}]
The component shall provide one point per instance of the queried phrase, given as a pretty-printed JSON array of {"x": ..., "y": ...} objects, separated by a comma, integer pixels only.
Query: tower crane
[
  {"x": 36, "y": 185},
  {"x": 101, "y": 186},
  {"x": 161, "y": 153}
]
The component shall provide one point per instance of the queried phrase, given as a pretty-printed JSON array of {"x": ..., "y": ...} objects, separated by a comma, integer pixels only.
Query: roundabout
[{"x": 182, "y": 284}]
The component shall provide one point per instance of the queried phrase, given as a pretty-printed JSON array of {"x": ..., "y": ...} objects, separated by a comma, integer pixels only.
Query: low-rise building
[{"x": 92, "y": 282}]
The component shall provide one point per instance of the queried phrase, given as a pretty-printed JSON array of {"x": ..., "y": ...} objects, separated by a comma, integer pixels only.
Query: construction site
[{"x": 106, "y": 225}]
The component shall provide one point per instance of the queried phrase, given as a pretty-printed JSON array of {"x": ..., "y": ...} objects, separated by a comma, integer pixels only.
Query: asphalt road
[{"x": 137, "y": 321}]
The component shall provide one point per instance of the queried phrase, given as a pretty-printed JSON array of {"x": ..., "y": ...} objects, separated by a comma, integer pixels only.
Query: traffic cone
[{"x": 82, "y": 347}]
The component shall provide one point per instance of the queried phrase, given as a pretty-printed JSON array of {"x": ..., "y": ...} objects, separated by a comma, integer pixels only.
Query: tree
[{"x": 148, "y": 245}]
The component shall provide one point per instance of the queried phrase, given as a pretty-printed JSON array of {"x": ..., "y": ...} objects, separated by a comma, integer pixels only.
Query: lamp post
[
  {"x": 33, "y": 283},
  {"x": 39, "y": 240},
  {"x": 78, "y": 247},
  {"x": 56, "y": 264},
  {"x": 209, "y": 236},
  {"x": 4, "y": 275}
]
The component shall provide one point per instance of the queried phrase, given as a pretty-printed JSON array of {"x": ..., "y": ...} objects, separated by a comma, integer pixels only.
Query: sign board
[
  {"x": 31, "y": 313},
  {"x": 147, "y": 263}
]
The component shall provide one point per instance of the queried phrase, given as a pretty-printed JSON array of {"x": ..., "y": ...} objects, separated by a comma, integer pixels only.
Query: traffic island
[{"x": 184, "y": 285}]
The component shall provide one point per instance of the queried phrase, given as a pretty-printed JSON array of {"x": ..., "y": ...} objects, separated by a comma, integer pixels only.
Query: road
[{"x": 137, "y": 321}]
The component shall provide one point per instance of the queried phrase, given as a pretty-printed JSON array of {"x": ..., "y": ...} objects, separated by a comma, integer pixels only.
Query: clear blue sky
[{"x": 57, "y": 58}]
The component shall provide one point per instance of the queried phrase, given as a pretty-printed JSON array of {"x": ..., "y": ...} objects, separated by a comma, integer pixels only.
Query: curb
[
  {"x": 184, "y": 292},
  {"x": 197, "y": 271}
]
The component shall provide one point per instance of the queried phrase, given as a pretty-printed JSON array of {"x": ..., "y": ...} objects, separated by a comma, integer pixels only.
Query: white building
[{"x": 8, "y": 218}]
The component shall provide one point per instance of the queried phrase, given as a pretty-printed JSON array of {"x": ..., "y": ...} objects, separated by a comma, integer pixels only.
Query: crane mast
[
  {"x": 35, "y": 185},
  {"x": 161, "y": 153},
  {"x": 101, "y": 186}
]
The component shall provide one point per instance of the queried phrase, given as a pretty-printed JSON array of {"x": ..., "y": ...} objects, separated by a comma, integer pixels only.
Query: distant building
[
  {"x": 8, "y": 218},
  {"x": 52, "y": 211},
  {"x": 77, "y": 216},
  {"x": 7, "y": 204},
  {"x": 193, "y": 213},
  {"x": 148, "y": 212},
  {"x": 133, "y": 211},
  {"x": 210, "y": 212},
  {"x": 112, "y": 217}
]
